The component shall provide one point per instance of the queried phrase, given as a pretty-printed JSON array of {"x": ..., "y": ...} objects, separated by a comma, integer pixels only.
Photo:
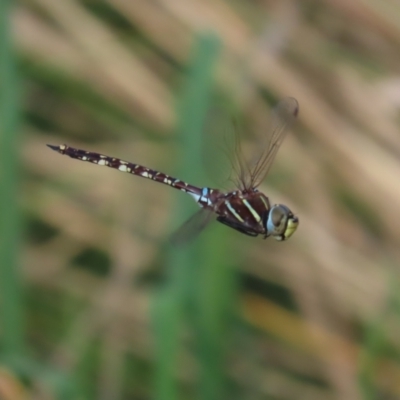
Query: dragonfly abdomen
[{"x": 131, "y": 168}]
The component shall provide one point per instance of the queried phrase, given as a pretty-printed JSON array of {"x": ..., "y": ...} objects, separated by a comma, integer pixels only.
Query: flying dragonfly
[{"x": 244, "y": 209}]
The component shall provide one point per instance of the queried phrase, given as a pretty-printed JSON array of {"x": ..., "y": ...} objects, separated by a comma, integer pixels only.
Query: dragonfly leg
[{"x": 236, "y": 225}]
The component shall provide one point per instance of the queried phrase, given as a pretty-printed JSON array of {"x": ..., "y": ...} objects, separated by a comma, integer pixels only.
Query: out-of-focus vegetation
[{"x": 109, "y": 310}]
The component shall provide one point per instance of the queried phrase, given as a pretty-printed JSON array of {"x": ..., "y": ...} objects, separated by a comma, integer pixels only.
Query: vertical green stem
[
  {"x": 215, "y": 303},
  {"x": 10, "y": 290},
  {"x": 172, "y": 301}
]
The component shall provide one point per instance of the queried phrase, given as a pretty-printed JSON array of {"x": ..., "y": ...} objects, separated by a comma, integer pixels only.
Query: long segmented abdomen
[{"x": 131, "y": 168}]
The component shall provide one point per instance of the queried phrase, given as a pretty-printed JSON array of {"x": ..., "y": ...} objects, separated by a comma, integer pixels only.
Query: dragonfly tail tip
[{"x": 55, "y": 148}]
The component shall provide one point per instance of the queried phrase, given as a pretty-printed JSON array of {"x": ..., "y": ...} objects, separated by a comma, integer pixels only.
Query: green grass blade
[
  {"x": 215, "y": 303},
  {"x": 375, "y": 343},
  {"x": 171, "y": 302},
  {"x": 10, "y": 289}
]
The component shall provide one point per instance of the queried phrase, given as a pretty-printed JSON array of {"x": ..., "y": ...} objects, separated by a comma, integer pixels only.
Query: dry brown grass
[{"x": 340, "y": 166}]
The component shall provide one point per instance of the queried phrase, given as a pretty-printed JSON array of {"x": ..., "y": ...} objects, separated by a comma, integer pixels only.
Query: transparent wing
[
  {"x": 192, "y": 227},
  {"x": 283, "y": 115},
  {"x": 222, "y": 154},
  {"x": 217, "y": 150}
]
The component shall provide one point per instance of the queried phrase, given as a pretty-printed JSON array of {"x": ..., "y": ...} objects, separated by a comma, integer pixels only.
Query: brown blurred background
[{"x": 311, "y": 318}]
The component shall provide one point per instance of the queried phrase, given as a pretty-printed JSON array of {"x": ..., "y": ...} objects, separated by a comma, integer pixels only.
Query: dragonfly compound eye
[{"x": 281, "y": 223}]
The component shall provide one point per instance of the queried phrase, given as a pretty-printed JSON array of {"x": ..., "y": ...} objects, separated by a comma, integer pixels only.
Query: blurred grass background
[{"x": 94, "y": 302}]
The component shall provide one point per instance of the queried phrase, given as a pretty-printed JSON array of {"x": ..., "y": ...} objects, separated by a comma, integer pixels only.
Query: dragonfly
[{"x": 245, "y": 209}]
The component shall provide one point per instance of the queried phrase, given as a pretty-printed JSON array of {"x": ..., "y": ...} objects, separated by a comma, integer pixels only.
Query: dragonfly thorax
[{"x": 249, "y": 211}]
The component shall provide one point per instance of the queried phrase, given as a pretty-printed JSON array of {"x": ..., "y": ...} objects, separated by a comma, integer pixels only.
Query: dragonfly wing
[
  {"x": 283, "y": 116},
  {"x": 219, "y": 158},
  {"x": 192, "y": 227},
  {"x": 222, "y": 152}
]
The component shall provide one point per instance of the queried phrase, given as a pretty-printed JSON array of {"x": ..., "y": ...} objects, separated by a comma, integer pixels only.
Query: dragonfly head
[{"x": 280, "y": 222}]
